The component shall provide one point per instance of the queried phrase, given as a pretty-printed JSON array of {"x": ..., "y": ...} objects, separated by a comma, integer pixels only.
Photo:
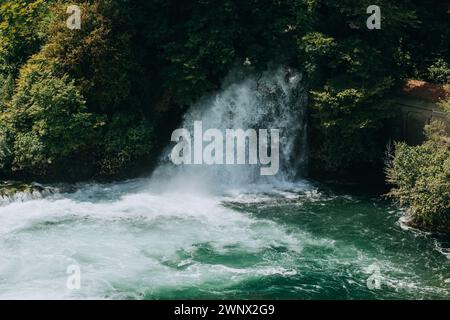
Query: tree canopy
[{"x": 101, "y": 99}]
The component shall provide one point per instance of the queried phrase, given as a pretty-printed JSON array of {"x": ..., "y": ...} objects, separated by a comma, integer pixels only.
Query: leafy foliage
[
  {"x": 47, "y": 117},
  {"x": 20, "y": 31},
  {"x": 348, "y": 125},
  {"x": 351, "y": 70},
  {"x": 95, "y": 102},
  {"x": 439, "y": 71},
  {"x": 421, "y": 178},
  {"x": 126, "y": 140}
]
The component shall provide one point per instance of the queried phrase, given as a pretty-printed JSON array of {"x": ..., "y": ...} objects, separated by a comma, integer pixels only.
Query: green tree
[
  {"x": 47, "y": 118},
  {"x": 421, "y": 179},
  {"x": 20, "y": 31},
  {"x": 350, "y": 71}
]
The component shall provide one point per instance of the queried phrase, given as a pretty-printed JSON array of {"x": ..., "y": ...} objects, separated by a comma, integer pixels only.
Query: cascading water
[
  {"x": 273, "y": 100},
  {"x": 219, "y": 231}
]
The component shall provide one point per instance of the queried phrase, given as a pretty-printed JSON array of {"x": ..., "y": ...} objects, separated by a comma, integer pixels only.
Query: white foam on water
[{"x": 127, "y": 241}]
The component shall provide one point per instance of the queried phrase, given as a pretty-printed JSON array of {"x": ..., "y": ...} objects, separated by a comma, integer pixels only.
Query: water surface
[{"x": 135, "y": 241}]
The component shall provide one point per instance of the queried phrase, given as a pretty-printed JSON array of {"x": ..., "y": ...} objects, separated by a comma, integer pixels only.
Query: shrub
[
  {"x": 347, "y": 128},
  {"x": 5, "y": 148},
  {"x": 350, "y": 73},
  {"x": 445, "y": 104},
  {"x": 21, "y": 23},
  {"x": 98, "y": 57},
  {"x": 47, "y": 118},
  {"x": 6, "y": 90},
  {"x": 126, "y": 140},
  {"x": 421, "y": 179},
  {"x": 439, "y": 72}
]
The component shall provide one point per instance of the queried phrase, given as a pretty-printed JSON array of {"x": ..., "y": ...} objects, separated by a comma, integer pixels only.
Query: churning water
[{"x": 220, "y": 232}]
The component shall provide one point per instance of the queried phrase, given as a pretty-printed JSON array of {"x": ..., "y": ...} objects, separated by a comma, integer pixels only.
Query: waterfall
[{"x": 275, "y": 99}]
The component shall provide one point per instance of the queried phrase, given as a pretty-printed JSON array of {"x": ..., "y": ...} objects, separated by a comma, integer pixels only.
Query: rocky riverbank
[{"x": 12, "y": 191}]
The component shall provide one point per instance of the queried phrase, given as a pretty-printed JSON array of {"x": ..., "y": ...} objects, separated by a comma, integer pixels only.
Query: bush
[
  {"x": 5, "y": 149},
  {"x": 439, "y": 72},
  {"x": 47, "y": 118},
  {"x": 445, "y": 104},
  {"x": 348, "y": 128},
  {"x": 421, "y": 179},
  {"x": 21, "y": 24},
  {"x": 126, "y": 140},
  {"x": 6, "y": 90},
  {"x": 350, "y": 73},
  {"x": 98, "y": 57}
]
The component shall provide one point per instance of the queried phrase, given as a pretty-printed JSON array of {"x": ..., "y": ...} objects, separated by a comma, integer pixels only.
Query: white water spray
[{"x": 272, "y": 100}]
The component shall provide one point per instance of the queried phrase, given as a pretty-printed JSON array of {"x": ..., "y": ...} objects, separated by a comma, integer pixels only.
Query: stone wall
[{"x": 414, "y": 115}]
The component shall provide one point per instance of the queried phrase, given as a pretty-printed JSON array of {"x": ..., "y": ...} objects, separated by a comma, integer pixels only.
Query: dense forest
[{"x": 100, "y": 102}]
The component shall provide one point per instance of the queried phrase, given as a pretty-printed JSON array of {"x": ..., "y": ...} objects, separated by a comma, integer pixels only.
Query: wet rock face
[{"x": 16, "y": 191}]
